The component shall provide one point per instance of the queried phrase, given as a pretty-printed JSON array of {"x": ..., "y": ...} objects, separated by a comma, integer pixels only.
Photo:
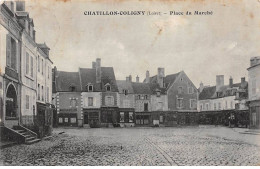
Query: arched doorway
[{"x": 11, "y": 102}]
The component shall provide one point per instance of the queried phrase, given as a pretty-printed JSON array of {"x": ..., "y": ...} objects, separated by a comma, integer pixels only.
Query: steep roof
[
  {"x": 141, "y": 88},
  {"x": 154, "y": 87},
  {"x": 124, "y": 85},
  {"x": 224, "y": 91},
  {"x": 168, "y": 80},
  {"x": 65, "y": 80},
  {"x": 88, "y": 76}
]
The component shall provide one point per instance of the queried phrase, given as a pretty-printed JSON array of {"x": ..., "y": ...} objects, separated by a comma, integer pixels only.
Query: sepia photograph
[{"x": 130, "y": 83}]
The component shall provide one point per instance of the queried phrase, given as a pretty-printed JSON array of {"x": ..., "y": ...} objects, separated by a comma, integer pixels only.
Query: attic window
[
  {"x": 90, "y": 88},
  {"x": 158, "y": 93},
  {"x": 108, "y": 87},
  {"x": 72, "y": 88}
]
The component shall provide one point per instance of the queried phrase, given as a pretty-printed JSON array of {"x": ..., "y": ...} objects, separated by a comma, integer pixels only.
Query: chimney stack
[
  {"x": 201, "y": 87},
  {"x": 137, "y": 79},
  {"x": 147, "y": 77},
  {"x": 130, "y": 78},
  {"x": 160, "y": 76},
  {"x": 230, "y": 82},
  {"x": 93, "y": 65},
  {"x": 219, "y": 82},
  {"x": 98, "y": 70},
  {"x": 243, "y": 79},
  {"x": 20, "y": 5}
]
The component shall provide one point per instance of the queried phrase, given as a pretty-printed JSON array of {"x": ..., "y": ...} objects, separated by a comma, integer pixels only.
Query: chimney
[
  {"x": 230, "y": 82},
  {"x": 20, "y": 5},
  {"x": 93, "y": 65},
  {"x": 130, "y": 78},
  {"x": 201, "y": 87},
  {"x": 160, "y": 76},
  {"x": 243, "y": 79},
  {"x": 254, "y": 60},
  {"x": 147, "y": 77},
  {"x": 219, "y": 81},
  {"x": 127, "y": 79},
  {"x": 137, "y": 79},
  {"x": 98, "y": 70}
]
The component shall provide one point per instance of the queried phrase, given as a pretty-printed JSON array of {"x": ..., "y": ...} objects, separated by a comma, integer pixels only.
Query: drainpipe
[{"x": 20, "y": 77}]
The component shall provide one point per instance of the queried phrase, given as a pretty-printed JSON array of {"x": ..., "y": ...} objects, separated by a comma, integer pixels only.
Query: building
[
  {"x": 18, "y": 74},
  {"x": 181, "y": 96},
  {"x": 127, "y": 103},
  {"x": 88, "y": 97},
  {"x": 254, "y": 92},
  {"x": 224, "y": 104}
]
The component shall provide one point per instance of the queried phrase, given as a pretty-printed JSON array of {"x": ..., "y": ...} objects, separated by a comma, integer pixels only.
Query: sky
[{"x": 201, "y": 46}]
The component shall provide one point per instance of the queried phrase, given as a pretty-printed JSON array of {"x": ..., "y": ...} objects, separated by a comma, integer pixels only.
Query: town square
[{"x": 129, "y": 83}]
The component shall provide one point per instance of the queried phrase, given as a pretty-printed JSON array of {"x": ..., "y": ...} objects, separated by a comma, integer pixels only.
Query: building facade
[
  {"x": 254, "y": 92},
  {"x": 18, "y": 70},
  {"x": 224, "y": 104}
]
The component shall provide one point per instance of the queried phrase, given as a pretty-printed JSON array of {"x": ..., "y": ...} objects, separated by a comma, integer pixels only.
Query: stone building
[
  {"x": 18, "y": 71},
  {"x": 254, "y": 92},
  {"x": 224, "y": 104}
]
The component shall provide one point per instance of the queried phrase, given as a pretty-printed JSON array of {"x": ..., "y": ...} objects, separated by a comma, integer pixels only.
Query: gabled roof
[
  {"x": 124, "y": 85},
  {"x": 168, "y": 80},
  {"x": 65, "y": 80},
  {"x": 88, "y": 76},
  {"x": 141, "y": 88}
]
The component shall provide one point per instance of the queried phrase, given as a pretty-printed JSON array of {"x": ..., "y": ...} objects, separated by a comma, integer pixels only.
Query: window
[
  {"x": 73, "y": 102},
  {"x": 66, "y": 120},
  {"x": 11, "y": 52},
  {"x": 73, "y": 120},
  {"x": 126, "y": 103},
  {"x": 180, "y": 90},
  {"x": 145, "y": 106},
  {"x": 90, "y": 101},
  {"x": 42, "y": 94},
  {"x": 219, "y": 106},
  {"x": 72, "y": 88},
  {"x": 27, "y": 63},
  {"x": 125, "y": 91},
  {"x": 60, "y": 120},
  {"x": 158, "y": 93},
  {"x": 160, "y": 106},
  {"x": 47, "y": 98},
  {"x": 231, "y": 105},
  {"x": 122, "y": 117},
  {"x": 146, "y": 97},
  {"x": 131, "y": 117},
  {"x": 179, "y": 103},
  {"x": 31, "y": 66},
  {"x": 192, "y": 103},
  {"x": 201, "y": 107},
  {"x": 215, "y": 106},
  {"x": 139, "y": 97},
  {"x": 90, "y": 88},
  {"x": 207, "y": 106},
  {"x": 226, "y": 105},
  {"x": 161, "y": 119},
  {"x": 39, "y": 92},
  {"x": 191, "y": 90},
  {"x": 109, "y": 100},
  {"x": 108, "y": 88},
  {"x": 48, "y": 72},
  {"x": 27, "y": 106}
]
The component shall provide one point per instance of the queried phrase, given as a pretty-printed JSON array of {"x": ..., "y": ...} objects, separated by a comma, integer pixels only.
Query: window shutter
[
  {"x": 86, "y": 102},
  {"x": 94, "y": 101},
  {"x": 8, "y": 50}
]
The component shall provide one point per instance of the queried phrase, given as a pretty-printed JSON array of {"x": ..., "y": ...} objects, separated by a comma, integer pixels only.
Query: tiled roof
[
  {"x": 88, "y": 76},
  {"x": 141, "y": 88},
  {"x": 224, "y": 91},
  {"x": 169, "y": 79},
  {"x": 207, "y": 93},
  {"x": 124, "y": 85},
  {"x": 154, "y": 87},
  {"x": 65, "y": 80}
]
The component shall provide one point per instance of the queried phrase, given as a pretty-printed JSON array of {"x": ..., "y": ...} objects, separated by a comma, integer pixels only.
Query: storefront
[
  {"x": 254, "y": 114},
  {"x": 68, "y": 117},
  {"x": 91, "y": 118},
  {"x": 109, "y": 117},
  {"x": 126, "y": 117},
  {"x": 143, "y": 119}
]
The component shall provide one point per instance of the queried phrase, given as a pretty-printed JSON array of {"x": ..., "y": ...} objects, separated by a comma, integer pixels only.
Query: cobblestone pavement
[{"x": 139, "y": 146}]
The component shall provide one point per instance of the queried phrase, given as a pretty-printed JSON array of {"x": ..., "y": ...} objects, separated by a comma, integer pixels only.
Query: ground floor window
[
  {"x": 122, "y": 117},
  {"x": 73, "y": 120},
  {"x": 254, "y": 118},
  {"x": 131, "y": 117},
  {"x": 60, "y": 120},
  {"x": 106, "y": 117},
  {"x": 66, "y": 120},
  {"x": 142, "y": 119}
]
